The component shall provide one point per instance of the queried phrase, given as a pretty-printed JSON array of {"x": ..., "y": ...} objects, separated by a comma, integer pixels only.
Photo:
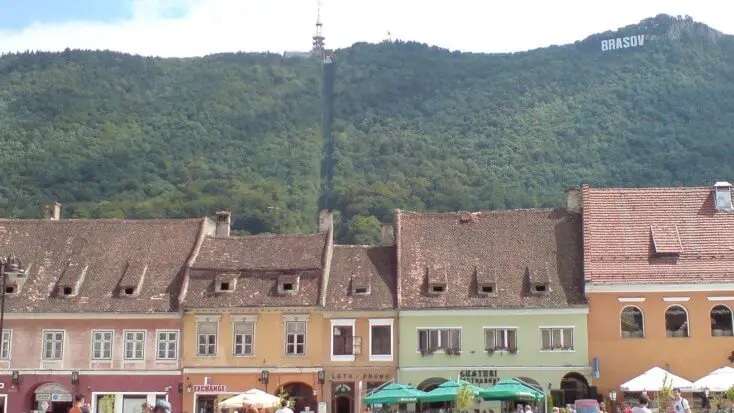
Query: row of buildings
[{"x": 574, "y": 301}]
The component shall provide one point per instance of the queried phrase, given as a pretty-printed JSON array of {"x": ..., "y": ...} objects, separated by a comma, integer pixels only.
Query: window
[
  {"x": 721, "y": 321},
  {"x": 557, "y": 338},
  {"x": 5, "y": 349},
  {"x": 288, "y": 284},
  {"x": 676, "y": 321},
  {"x": 134, "y": 345},
  {"x": 632, "y": 322},
  {"x": 102, "y": 344},
  {"x": 244, "y": 334},
  {"x": 167, "y": 345},
  {"x": 207, "y": 339},
  {"x": 295, "y": 338},
  {"x": 342, "y": 337},
  {"x": 53, "y": 344},
  {"x": 381, "y": 340},
  {"x": 500, "y": 339},
  {"x": 435, "y": 339}
]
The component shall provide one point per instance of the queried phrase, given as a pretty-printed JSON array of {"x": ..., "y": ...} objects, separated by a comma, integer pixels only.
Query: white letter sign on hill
[{"x": 623, "y": 42}]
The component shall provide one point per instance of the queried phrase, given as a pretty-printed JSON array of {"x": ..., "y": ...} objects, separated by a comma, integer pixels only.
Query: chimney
[
  {"x": 387, "y": 237},
  {"x": 326, "y": 221},
  {"x": 574, "y": 200},
  {"x": 52, "y": 211},
  {"x": 224, "y": 221},
  {"x": 722, "y": 196}
]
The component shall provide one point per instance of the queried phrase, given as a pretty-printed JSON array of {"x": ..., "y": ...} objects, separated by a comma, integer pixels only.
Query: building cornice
[
  {"x": 252, "y": 310},
  {"x": 361, "y": 314},
  {"x": 93, "y": 316},
  {"x": 658, "y": 288},
  {"x": 496, "y": 311}
]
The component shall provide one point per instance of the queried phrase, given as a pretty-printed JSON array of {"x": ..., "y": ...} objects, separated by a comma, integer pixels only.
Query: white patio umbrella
[
  {"x": 253, "y": 397},
  {"x": 718, "y": 380},
  {"x": 652, "y": 380}
]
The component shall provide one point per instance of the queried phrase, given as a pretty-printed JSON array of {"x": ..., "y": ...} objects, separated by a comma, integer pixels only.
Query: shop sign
[
  {"x": 342, "y": 388},
  {"x": 365, "y": 376},
  {"x": 213, "y": 388},
  {"x": 479, "y": 376}
]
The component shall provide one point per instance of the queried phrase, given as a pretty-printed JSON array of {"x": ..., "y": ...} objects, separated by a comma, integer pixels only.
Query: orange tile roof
[{"x": 625, "y": 228}]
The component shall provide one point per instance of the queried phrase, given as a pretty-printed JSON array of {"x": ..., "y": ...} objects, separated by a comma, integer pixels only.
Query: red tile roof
[
  {"x": 374, "y": 266},
  {"x": 94, "y": 255},
  {"x": 623, "y": 227},
  {"x": 262, "y": 252},
  {"x": 511, "y": 245},
  {"x": 257, "y": 262}
]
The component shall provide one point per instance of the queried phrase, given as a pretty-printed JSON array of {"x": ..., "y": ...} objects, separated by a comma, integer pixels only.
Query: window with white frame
[
  {"x": 244, "y": 338},
  {"x": 381, "y": 340},
  {"x": 344, "y": 344},
  {"x": 557, "y": 338},
  {"x": 431, "y": 339},
  {"x": 167, "y": 345},
  {"x": 5, "y": 349},
  {"x": 134, "y": 345},
  {"x": 500, "y": 339},
  {"x": 206, "y": 339},
  {"x": 53, "y": 344},
  {"x": 102, "y": 344},
  {"x": 295, "y": 338}
]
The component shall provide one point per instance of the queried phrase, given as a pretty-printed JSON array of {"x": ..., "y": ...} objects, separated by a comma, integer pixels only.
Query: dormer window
[
  {"x": 437, "y": 280},
  {"x": 67, "y": 291},
  {"x": 722, "y": 196},
  {"x": 666, "y": 240},
  {"x": 288, "y": 284},
  {"x": 540, "y": 279},
  {"x": 11, "y": 289},
  {"x": 360, "y": 285},
  {"x": 225, "y": 283},
  {"x": 465, "y": 217},
  {"x": 132, "y": 279},
  {"x": 486, "y": 281},
  {"x": 72, "y": 279}
]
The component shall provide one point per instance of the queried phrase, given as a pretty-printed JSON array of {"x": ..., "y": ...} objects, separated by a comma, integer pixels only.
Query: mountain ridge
[{"x": 415, "y": 127}]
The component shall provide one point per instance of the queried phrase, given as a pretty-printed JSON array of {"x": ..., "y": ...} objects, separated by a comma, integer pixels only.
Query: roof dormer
[
  {"x": 666, "y": 240},
  {"x": 539, "y": 279},
  {"x": 16, "y": 275},
  {"x": 722, "y": 196},
  {"x": 132, "y": 279},
  {"x": 288, "y": 284},
  {"x": 361, "y": 285},
  {"x": 486, "y": 281},
  {"x": 437, "y": 280},
  {"x": 225, "y": 283},
  {"x": 72, "y": 278}
]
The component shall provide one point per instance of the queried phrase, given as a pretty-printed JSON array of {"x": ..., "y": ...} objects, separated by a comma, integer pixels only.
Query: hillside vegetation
[{"x": 415, "y": 127}]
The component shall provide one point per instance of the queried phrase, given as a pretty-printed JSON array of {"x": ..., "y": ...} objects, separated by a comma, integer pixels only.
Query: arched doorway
[
  {"x": 430, "y": 384},
  {"x": 342, "y": 404},
  {"x": 302, "y": 395},
  {"x": 51, "y": 395},
  {"x": 574, "y": 386},
  {"x": 530, "y": 383}
]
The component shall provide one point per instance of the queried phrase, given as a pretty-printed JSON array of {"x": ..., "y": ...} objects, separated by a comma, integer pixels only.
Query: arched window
[
  {"x": 633, "y": 324},
  {"x": 676, "y": 321},
  {"x": 721, "y": 321}
]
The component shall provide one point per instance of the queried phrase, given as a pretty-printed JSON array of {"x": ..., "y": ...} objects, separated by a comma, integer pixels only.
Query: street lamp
[
  {"x": 706, "y": 393},
  {"x": 8, "y": 266}
]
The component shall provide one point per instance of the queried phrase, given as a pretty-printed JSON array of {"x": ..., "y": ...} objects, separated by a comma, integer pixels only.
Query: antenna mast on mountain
[{"x": 318, "y": 49}]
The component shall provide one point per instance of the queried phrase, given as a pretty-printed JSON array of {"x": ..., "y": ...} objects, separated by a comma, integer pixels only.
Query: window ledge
[
  {"x": 296, "y": 355},
  {"x": 632, "y": 338},
  {"x": 109, "y": 360},
  {"x": 166, "y": 361},
  {"x": 729, "y": 336},
  {"x": 243, "y": 356},
  {"x": 557, "y": 351},
  {"x": 346, "y": 357},
  {"x": 206, "y": 356},
  {"x": 381, "y": 357},
  {"x": 133, "y": 361}
]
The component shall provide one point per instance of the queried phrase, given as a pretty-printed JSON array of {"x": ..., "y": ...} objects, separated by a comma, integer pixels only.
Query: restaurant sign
[
  {"x": 213, "y": 388},
  {"x": 479, "y": 377}
]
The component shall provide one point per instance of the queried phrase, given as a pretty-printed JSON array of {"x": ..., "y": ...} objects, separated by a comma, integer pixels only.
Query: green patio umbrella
[
  {"x": 395, "y": 393},
  {"x": 447, "y": 391},
  {"x": 510, "y": 389}
]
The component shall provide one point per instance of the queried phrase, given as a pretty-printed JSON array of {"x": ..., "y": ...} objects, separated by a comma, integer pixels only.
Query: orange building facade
[{"x": 658, "y": 271}]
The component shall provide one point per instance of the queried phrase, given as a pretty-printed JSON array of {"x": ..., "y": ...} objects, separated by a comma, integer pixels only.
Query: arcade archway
[
  {"x": 430, "y": 384},
  {"x": 574, "y": 386},
  {"x": 301, "y": 393},
  {"x": 51, "y": 397}
]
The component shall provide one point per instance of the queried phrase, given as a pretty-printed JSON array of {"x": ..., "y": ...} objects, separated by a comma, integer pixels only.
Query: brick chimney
[
  {"x": 574, "y": 200},
  {"x": 52, "y": 211},
  {"x": 224, "y": 222},
  {"x": 387, "y": 236}
]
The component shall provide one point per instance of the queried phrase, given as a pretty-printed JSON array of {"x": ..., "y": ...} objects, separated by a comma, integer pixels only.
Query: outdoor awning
[
  {"x": 653, "y": 379},
  {"x": 395, "y": 393},
  {"x": 447, "y": 391},
  {"x": 253, "y": 397},
  {"x": 718, "y": 380},
  {"x": 510, "y": 389}
]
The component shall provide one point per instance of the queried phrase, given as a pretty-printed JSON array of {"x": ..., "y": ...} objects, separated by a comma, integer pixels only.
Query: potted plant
[
  {"x": 107, "y": 403},
  {"x": 512, "y": 350},
  {"x": 489, "y": 350},
  {"x": 464, "y": 398}
]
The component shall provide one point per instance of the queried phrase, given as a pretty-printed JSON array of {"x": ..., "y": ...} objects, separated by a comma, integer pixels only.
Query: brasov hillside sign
[{"x": 623, "y": 42}]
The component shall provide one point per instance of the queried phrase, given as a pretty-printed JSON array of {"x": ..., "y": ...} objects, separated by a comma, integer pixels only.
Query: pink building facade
[{"x": 92, "y": 308}]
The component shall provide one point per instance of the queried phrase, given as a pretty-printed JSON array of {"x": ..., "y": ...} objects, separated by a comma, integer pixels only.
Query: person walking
[
  {"x": 162, "y": 406},
  {"x": 680, "y": 405},
  {"x": 284, "y": 407},
  {"x": 642, "y": 406},
  {"x": 78, "y": 403}
]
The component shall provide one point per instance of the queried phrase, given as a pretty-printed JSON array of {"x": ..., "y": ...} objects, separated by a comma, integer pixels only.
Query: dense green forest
[{"x": 415, "y": 127}]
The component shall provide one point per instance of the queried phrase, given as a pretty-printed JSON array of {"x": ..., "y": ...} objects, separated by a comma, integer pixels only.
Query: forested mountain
[{"x": 415, "y": 127}]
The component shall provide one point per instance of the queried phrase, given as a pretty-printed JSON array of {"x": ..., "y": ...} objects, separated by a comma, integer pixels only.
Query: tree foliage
[{"x": 415, "y": 127}]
